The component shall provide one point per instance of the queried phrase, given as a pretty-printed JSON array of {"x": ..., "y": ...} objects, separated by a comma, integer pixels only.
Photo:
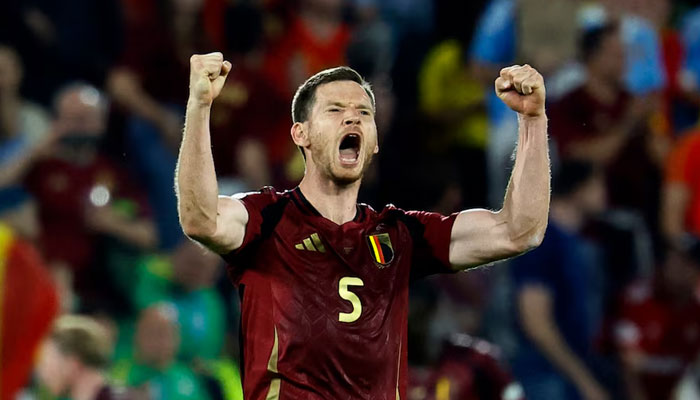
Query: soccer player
[{"x": 324, "y": 280}]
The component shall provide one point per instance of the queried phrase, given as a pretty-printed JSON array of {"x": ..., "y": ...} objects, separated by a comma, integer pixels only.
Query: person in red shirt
[
  {"x": 324, "y": 280},
  {"x": 82, "y": 196},
  {"x": 658, "y": 331},
  {"x": 601, "y": 123}
]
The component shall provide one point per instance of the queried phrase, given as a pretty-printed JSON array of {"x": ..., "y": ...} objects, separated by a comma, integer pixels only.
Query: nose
[{"x": 353, "y": 118}]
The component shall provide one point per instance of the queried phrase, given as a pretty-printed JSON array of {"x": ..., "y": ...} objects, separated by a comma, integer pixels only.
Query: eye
[
  {"x": 333, "y": 109},
  {"x": 365, "y": 112}
]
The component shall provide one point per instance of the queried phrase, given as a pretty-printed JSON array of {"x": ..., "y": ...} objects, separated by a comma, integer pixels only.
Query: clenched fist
[
  {"x": 207, "y": 76},
  {"x": 521, "y": 87}
]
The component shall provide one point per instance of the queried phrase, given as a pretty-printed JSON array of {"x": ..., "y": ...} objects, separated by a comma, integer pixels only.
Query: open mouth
[{"x": 350, "y": 148}]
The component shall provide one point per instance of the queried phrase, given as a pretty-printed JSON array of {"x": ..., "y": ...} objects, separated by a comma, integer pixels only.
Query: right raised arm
[{"x": 217, "y": 222}]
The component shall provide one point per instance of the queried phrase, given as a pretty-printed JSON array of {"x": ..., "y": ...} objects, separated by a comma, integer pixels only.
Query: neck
[
  {"x": 335, "y": 202},
  {"x": 87, "y": 385},
  {"x": 567, "y": 215}
]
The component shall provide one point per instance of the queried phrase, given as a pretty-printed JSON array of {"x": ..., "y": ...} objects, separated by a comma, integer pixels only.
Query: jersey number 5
[{"x": 346, "y": 294}]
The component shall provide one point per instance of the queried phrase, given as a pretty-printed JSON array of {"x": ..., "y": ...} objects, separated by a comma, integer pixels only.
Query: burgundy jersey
[
  {"x": 668, "y": 335},
  {"x": 324, "y": 306}
]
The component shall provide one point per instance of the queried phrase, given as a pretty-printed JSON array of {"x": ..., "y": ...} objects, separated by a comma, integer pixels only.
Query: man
[
  {"x": 658, "y": 331},
  {"x": 554, "y": 286},
  {"x": 324, "y": 281},
  {"x": 85, "y": 200},
  {"x": 73, "y": 358}
]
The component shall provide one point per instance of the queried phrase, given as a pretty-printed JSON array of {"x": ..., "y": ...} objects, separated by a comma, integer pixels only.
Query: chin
[{"x": 346, "y": 179}]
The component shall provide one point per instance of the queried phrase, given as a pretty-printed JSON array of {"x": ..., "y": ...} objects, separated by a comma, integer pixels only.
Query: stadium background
[{"x": 92, "y": 97}]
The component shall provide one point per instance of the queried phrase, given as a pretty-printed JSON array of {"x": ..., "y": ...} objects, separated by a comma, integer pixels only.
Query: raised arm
[
  {"x": 481, "y": 236},
  {"x": 217, "y": 222}
]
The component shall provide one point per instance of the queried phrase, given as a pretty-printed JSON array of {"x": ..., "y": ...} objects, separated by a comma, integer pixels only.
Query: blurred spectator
[
  {"x": 316, "y": 39},
  {"x": 23, "y": 125},
  {"x": 82, "y": 195},
  {"x": 250, "y": 119},
  {"x": 150, "y": 85},
  {"x": 602, "y": 123},
  {"x": 555, "y": 294},
  {"x": 153, "y": 370},
  {"x": 467, "y": 368},
  {"x": 28, "y": 298},
  {"x": 454, "y": 103},
  {"x": 73, "y": 360},
  {"x": 188, "y": 284},
  {"x": 659, "y": 327},
  {"x": 681, "y": 191}
]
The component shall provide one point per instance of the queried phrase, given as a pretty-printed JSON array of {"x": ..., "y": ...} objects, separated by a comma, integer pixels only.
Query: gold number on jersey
[{"x": 346, "y": 294}]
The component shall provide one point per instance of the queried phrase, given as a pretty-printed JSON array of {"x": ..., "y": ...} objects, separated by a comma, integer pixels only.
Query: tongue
[{"x": 348, "y": 154}]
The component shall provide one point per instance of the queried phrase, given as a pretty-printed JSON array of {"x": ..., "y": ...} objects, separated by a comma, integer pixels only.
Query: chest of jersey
[{"x": 337, "y": 294}]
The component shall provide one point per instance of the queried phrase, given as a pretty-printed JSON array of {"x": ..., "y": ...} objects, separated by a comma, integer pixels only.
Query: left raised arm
[{"x": 481, "y": 236}]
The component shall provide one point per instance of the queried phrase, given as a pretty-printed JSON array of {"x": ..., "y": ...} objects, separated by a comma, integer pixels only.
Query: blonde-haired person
[{"x": 73, "y": 359}]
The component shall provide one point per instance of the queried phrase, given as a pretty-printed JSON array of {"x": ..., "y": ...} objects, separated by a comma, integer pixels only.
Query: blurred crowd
[{"x": 102, "y": 297}]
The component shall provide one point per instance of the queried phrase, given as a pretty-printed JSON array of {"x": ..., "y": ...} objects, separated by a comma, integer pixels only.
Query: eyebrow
[{"x": 362, "y": 106}]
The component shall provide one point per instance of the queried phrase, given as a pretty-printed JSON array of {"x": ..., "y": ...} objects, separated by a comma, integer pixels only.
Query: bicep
[
  {"x": 231, "y": 221},
  {"x": 478, "y": 237}
]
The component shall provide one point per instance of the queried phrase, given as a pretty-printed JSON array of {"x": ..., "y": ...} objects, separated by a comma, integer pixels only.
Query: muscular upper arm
[
  {"x": 479, "y": 237},
  {"x": 231, "y": 221}
]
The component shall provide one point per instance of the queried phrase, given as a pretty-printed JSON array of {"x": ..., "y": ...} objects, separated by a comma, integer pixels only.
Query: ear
[
  {"x": 376, "y": 149},
  {"x": 300, "y": 135}
]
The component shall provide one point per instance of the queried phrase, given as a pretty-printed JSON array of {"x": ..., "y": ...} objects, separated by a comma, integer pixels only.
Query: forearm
[
  {"x": 526, "y": 204},
  {"x": 127, "y": 91},
  {"x": 140, "y": 233},
  {"x": 196, "y": 184},
  {"x": 547, "y": 338}
]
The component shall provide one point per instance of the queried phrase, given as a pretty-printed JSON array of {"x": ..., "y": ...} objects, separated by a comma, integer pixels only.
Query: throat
[{"x": 335, "y": 203}]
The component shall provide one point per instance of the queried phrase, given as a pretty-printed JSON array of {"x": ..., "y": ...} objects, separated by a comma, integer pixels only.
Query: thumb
[{"x": 225, "y": 68}]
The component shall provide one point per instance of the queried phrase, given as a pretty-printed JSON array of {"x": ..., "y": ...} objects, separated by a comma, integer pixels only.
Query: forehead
[{"x": 342, "y": 92}]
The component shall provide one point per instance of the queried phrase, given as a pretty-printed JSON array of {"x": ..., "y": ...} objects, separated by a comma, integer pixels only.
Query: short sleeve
[
  {"x": 430, "y": 234},
  {"x": 260, "y": 206}
]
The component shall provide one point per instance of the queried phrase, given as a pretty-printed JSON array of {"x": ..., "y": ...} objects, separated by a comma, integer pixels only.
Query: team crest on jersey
[{"x": 380, "y": 248}]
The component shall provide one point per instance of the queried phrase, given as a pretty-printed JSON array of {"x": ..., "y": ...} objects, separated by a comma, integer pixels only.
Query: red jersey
[
  {"x": 668, "y": 336},
  {"x": 324, "y": 306}
]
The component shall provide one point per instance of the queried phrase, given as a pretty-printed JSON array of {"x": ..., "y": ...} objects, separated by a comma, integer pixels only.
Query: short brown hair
[
  {"x": 306, "y": 93},
  {"x": 84, "y": 338}
]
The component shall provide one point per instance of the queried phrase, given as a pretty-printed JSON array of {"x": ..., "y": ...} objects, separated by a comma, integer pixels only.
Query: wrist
[
  {"x": 541, "y": 116},
  {"x": 195, "y": 104}
]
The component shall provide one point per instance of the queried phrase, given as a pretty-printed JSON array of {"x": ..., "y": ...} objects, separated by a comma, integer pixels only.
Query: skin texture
[{"x": 478, "y": 236}]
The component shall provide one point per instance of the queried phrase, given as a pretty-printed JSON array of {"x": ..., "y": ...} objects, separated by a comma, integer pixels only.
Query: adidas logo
[{"x": 311, "y": 243}]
